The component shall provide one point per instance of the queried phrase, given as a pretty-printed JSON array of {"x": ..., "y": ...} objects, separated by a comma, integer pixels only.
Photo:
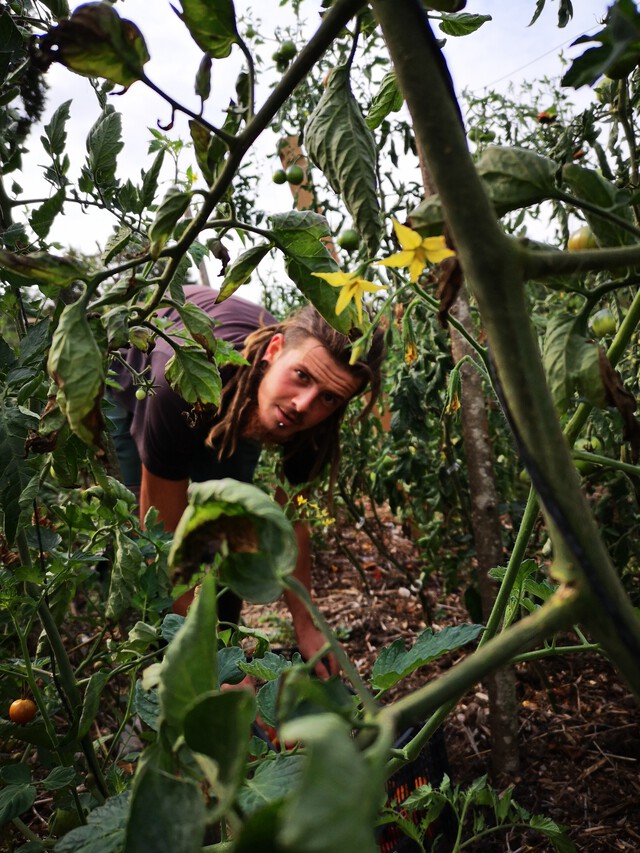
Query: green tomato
[
  {"x": 477, "y": 134},
  {"x": 582, "y": 239},
  {"x": 349, "y": 240},
  {"x": 603, "y": 323},
  {"x": 587, "y": 445},
  {"x": 279, "y": 176},
  {"x": 287, "y": 50},
  {"x": 295, "y": 175},
  {"x": 141, "y": 394}
]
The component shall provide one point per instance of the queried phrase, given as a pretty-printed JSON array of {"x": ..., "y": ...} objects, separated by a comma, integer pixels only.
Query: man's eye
[
  {"x": 329, "y": 398},
  {"x": 301, "y": 375}
]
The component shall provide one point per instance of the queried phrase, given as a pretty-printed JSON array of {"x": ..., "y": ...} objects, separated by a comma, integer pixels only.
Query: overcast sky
[{"x": 505, "y": 51}]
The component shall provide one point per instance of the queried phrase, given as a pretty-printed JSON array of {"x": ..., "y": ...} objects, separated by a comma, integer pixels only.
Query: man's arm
[
  {"x": 169, "y": 497},
  {"x": 310, "y": 639}
]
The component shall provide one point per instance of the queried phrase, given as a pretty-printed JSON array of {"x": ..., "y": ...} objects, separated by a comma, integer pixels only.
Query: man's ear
[{"x": 274, "y": 348}]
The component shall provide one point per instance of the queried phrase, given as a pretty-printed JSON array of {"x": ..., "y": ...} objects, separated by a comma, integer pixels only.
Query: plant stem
[
  {"x": 65, "y": 670},
  {"x": 559, "y": 612},
  {"x": 513, "y": 567},
  {"x": 348, "y": 668}
]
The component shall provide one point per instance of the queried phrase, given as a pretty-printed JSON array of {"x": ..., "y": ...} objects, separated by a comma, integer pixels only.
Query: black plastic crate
[{"x": 429, "y": 767}]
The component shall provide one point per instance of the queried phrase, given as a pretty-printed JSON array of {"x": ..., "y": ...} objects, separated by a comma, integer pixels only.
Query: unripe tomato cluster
[{"x": 294, "y": 175}]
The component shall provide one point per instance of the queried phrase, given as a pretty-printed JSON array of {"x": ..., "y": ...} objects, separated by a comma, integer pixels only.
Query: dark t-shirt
[{"x": 167, "y": 445}]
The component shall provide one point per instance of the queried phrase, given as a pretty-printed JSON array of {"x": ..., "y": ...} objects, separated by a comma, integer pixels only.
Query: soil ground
[{"x": 579, "y": 726}]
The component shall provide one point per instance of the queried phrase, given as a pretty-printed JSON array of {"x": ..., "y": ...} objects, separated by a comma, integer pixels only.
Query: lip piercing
[{"x": 280, "y": 425}]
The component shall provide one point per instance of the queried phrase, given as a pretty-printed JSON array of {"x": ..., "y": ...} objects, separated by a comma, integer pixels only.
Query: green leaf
[
  {"x": 43, "y": 217},
  {"x": 96, "y": 42},
  {"x": 116, "y": 244},
  {"x": 147, "y": 706},
  {"x": 618, "y": 50},
  {"x": 104, "y": 831},
  {"x": 218, "y": 726},
  {"x": 54, "y": 140},
  {"x": 203, "y": 78},
  {"x": 268, "y": 667},
  {"x": 513, "y": 178},
  {"x": 299, "y": 234},
  {"x": 104, "y": 143},
  {"x": 524, "y": 584},
  {"x": 43, "y": 268},
  {"x": 587, "y": 184},
  {"x": 59, "y": 778},
  {"x": 167, "y": 813},
  {"x": 342, "y": 146},
  {"x": 554, "y": 832},
  {"x": 228, "y": 670},
  {"x": 240, "y": 270},
  {"x": 199, "y": 325},
  {"x": 15, "y": 471},
  {"x": 260, "y": 546},
  {"x": 91, "y": 703},
  {"x": 150, "y": 180},
  {"x": 128, "y": 564},
  {"x": 516, "y": 177},
  {"x": 212, "y": 24},
  {"x": 273, "y": 780},
  {"x": 15, "y": 800},
  {"x": 75, "y": 364},
  {"x": 388, "y": 99},
  {"x": 395, "y": 663},
  {"x": 571, "y": 362},
  {"x": 189, "y": 667},
  {"x": 335, "y": 803},
  {"x": 171, "y": 210},
  {"x": 193, "y": 376},
  {"x": 462, "y": 24}
]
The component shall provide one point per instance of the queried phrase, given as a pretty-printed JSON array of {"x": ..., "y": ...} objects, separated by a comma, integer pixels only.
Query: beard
[{"x": 255, "y": 430}]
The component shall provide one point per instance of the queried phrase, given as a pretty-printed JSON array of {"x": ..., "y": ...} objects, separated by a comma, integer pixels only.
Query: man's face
[{"x": 302, "y": 386}]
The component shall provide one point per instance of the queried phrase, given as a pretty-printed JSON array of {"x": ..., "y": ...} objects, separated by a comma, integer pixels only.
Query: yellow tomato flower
[
  {"x": 416, "y": 251},
  {"x": 352, "y": 286}
]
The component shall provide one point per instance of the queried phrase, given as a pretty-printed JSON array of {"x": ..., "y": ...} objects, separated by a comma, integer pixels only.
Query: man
[{"x": 293, "y": 392}]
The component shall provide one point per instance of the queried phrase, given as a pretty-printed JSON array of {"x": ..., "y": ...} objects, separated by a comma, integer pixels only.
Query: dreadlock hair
[{"x": 240, "y": 394}]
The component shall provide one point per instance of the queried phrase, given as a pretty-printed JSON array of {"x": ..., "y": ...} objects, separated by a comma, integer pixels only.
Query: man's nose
[{"x": 304, "y": 400}]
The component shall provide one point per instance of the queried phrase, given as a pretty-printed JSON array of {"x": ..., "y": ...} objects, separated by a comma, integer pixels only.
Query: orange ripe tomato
[{"x": 22, "y": 711}]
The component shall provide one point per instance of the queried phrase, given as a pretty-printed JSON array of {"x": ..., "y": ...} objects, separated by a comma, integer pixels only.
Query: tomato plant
[{"x": 544, "y": 384}]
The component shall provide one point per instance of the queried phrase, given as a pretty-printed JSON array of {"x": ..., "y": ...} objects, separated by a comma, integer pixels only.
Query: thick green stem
[
  {"x": 558, "y": 613},
  {"x": 494, "y": 268}
]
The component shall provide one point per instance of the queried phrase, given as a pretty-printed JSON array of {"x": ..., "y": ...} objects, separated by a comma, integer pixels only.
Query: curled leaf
[
  {"x": 247, "y": 528},
  {"x": 96, "y": 42},
  {"x": 342, "y": 146},
  {"x": 76, "y": 366}
]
